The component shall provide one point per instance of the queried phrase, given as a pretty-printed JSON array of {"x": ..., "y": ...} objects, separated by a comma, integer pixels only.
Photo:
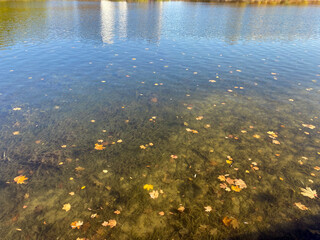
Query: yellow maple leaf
[
  {"x": 235, "y": 188},
  {"x": 20, "y": 179},
  {"x": 222, "y": 178},
  {"x": 229, "y": 161},
  {"x": 148, "y": 187}
]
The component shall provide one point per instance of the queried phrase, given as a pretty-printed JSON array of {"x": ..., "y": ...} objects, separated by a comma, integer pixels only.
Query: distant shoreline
[{"x": 269, "y": 2}]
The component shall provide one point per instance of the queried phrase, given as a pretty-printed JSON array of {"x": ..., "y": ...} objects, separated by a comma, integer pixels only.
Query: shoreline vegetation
[{"x": 271, "y": 2}]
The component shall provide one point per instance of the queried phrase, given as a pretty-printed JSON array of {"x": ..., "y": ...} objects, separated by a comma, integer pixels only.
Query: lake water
[{"x": 159, "y": 120}]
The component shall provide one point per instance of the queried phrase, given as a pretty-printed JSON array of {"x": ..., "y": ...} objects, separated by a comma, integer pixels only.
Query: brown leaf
[{"x": 230, "y": 222}]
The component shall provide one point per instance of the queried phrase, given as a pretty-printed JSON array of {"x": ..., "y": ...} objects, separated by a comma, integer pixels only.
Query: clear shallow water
[{"x": 144, "y": 73}]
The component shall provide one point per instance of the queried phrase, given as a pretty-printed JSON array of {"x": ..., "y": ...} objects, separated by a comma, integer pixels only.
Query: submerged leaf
[
  {"x": 99, "y": 146},
  {"x": 309, "y": 126},
  {"x": 154, "y": 194},
  {"x": 76, "y": 224},
  {"x": 308, "y": 192},
  {"x": 301, "y": 206},
  {"x": 66, "y": 207},
  {"x": 230, "y": 222},
  {"x": 230, "y": 181},
  {"x": 78, "y": 169},
  {"x": 20, "y": 179},
  {"x": 208, "y": 208},
  {"x": 222, "y": 178},
  {"x": 181, "y": 209},
  {"x": 235, "y": 188},
  {"x": 240, "y": 183},
  {"x": 112, "y": 223},
  {"x": 229, "y": 162},
  {"x": 148, "y": 187},
  {"x": 317, "y": 168}
]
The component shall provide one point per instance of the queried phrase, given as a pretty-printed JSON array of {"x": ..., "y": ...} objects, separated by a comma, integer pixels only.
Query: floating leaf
[
  {"x": 161, "y": 213},
  {"x": 301, "y": 206},
  {"x": 16, "y": 133},
  {"x": 308, "y": 192},
  {"x": 20, "y": 179},
  {"x": 117, "y": 212},
  {"x": 256, "y": 136},
  {"x": 317, "y": 168}
]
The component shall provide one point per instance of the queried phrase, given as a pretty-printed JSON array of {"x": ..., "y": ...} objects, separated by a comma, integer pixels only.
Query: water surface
[{"x": 175, "y": 94}]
